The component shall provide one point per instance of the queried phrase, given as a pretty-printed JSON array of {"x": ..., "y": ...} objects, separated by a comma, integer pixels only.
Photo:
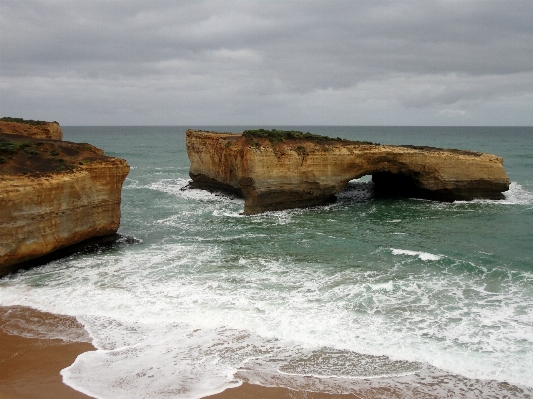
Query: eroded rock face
[
  {"x": 37, "y": 130},
  {"x": 39, "y": 215},
  {"x": 300, "y": 173},
  {"x": 54, "y": 194}
]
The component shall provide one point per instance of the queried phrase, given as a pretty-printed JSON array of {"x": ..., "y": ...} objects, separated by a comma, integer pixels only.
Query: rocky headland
[
  {"x": 54, "y": 195},
  {"x": 275, "y": 170},
  {"x": 31, "y": 128}
]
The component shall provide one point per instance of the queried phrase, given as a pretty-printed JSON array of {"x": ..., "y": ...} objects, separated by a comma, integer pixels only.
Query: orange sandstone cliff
[
  {"x": 299, "y": 173},
  {"x": 54, "y": 194},
  {"x": 31, "y": 128}
]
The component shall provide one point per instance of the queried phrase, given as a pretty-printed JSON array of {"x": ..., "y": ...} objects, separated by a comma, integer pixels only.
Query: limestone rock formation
[
  {"x": 300, "y": 173},
  {"x": 31, "y": 128},
  {"x": 54, "y": 194}
]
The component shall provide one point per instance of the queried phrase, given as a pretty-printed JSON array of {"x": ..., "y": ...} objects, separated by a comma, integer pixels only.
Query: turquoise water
[{"x": 436, "y": 297}]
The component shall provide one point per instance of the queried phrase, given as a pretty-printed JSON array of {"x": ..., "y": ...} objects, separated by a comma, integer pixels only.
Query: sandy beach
[
  {"x": 32, "y": 355},
  {"x": 247, "y": 391},
  {"x": 30, "y": 367}
]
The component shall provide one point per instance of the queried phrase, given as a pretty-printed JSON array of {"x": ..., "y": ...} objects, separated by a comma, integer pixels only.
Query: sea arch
[{"x": 301, "y": 173}]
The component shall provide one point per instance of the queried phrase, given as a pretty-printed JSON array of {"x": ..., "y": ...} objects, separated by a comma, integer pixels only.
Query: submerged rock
[{"x": 276, "y": 171}]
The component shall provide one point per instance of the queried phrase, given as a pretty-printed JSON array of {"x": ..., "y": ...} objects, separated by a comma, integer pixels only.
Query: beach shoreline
[
  {"x": 247, "y": 391},
  {"x": 30, "y": 367},
  {"x": 35, "y": 346}
]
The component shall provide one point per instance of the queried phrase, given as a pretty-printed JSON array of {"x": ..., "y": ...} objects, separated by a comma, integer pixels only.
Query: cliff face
[
  {"x": 39, "y": 215},
  {"x": 299, "y": 173},
  {"x": 35, "y": 130},
  {"x": 54, "y": 194}
]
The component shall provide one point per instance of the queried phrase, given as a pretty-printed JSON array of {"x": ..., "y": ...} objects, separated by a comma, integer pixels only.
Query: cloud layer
[{"x": 268, "y": 62}]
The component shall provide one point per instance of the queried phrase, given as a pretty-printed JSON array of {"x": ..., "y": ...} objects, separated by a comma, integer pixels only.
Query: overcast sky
[{"x": 268, "y": 62}]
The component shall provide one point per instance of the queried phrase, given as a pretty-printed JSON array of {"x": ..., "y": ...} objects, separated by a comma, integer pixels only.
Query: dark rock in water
[{"x": 89, "y": 246}]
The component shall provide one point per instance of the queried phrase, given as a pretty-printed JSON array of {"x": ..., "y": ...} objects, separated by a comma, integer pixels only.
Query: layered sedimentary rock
[
  {"x": 54, "y": 194},
  {"x": 30, "y": 128},
  {"x": 300, "y": 173}
]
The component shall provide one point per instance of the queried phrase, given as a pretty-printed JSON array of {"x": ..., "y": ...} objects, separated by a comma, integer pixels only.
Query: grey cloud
[
  {"x": 419, "y": 53},
  {"x": 463, "y": 89}
]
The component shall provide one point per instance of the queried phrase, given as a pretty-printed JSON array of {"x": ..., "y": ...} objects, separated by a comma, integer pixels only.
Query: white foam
[
  {"x": 357, "y": 190},
  {"x": 422, "y": 255},
  {"x": 178, "y": 187},
  {"x": 168, "y": 361},
  {"x": 180, "y": 320},
  {"x": 516, "y": 195}
]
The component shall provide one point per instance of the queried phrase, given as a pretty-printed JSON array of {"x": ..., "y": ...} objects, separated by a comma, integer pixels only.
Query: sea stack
[
  {"x": 275, "y": 170},
  {"x": 53, "y": 194}
]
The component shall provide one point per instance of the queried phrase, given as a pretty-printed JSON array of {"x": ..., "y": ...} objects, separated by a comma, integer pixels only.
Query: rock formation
[
  {"x": 304, "y": 172},
  {"x": 54, "y": 194},
  {"x": 31, "y": 128}
]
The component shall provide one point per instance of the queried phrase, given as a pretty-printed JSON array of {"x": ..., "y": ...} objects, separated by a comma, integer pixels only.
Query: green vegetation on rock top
[
  {"x": 28, "y": 157},
  {"x": 21, "y": 120},
  {"x": 10, "y": 147},
  {"x": 278, "y": 136}
]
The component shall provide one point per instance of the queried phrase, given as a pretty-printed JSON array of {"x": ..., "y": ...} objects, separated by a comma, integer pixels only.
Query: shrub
[
  {"x": 278, "y": 136},
  {"x": 7, "y": 146},
  {"x": 300, "y": 150},
  {"x": 29, "y": 151},
  {"x": 21, "y": 120}
]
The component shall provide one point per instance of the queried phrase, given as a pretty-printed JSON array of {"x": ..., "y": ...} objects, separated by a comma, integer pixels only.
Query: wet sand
[
  {"x": 249, "y": 391},
  {"x": 31, "y": 358},
  {"x": 29, "y": 367}
]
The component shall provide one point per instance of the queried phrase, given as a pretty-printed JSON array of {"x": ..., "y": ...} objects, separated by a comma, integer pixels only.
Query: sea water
[{"x": 430, "y": 298}]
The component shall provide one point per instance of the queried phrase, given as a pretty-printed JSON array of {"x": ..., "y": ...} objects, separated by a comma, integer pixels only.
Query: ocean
[{"x": 432, "y": 299}]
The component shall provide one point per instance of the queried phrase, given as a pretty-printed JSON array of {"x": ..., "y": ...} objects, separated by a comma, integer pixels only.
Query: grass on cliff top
[
  {"x": 18, "y": 156},
  {"x": 278, "y": 136},
  {"x": 11, "y": 147},
  {"x": 21, "y": 120},
  {"x": 10, "y": 153}
]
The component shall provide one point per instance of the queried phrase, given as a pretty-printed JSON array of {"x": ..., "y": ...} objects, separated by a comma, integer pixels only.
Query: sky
[{"x": 272, "y": 62}]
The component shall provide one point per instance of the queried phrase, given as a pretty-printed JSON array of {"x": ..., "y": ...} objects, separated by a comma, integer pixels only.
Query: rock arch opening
[
  {"x": 400, "y": 184},
  {"x": 385, "y": 185}
]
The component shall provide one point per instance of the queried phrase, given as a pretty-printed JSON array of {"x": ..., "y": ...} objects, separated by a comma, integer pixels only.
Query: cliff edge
[
  {"x": 54, "y": 194},
  {"x": 31, "y": 128},
  {"x": 276, "y": 170}
]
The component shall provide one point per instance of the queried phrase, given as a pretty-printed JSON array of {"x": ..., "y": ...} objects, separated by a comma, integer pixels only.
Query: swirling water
[{"x": 364, "y": 292}]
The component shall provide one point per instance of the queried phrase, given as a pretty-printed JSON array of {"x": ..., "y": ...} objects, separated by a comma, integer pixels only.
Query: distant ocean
[{"x": 430, "y": 298}]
